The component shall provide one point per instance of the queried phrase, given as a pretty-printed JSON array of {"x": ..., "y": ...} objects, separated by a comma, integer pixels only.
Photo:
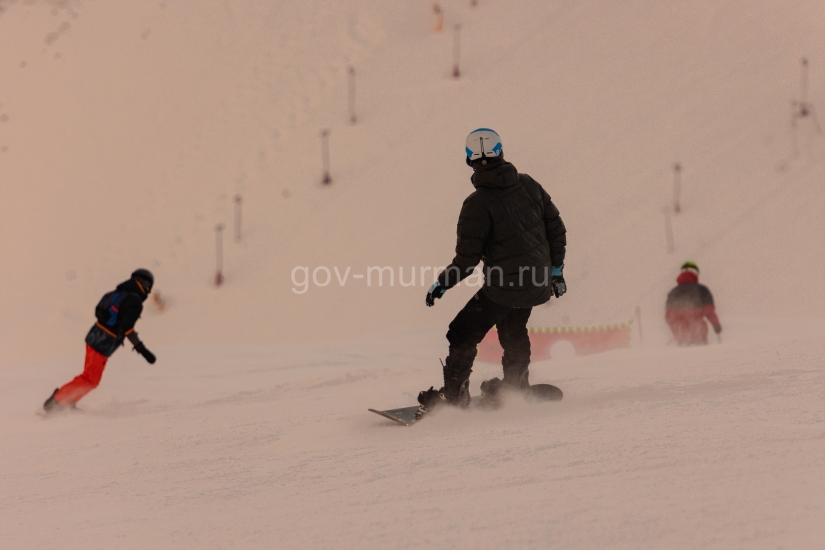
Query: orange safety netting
[{"x": 585, "y": 341}]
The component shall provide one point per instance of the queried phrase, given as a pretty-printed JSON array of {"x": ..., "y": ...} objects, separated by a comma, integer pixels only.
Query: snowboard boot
[
  {"x": 453, "y": 393},
  {"x": 429, "y": 400},
  {"x": 493, "y": 390},
  {"x": 52, "y": 404},
  {"x": 491, "y": 393}
]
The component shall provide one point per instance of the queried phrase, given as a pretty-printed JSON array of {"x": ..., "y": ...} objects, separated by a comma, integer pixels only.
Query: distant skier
[
  {"x": 117, "y": 313},
  {"x": 510, "y": 224},
  {"x": 688, "y": 305}
]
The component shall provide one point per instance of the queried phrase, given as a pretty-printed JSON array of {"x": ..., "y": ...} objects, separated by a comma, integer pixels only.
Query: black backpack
[{"x": 108, "y": 309}]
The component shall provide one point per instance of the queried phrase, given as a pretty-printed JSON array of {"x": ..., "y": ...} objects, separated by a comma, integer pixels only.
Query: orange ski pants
[{"x": 81, "y": 385}]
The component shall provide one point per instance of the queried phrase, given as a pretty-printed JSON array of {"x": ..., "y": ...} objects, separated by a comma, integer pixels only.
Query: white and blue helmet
[{"x": 482, "y": 143}]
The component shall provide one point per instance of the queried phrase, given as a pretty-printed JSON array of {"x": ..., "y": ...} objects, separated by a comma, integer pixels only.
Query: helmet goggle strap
[{"x": 145, "y": 286}]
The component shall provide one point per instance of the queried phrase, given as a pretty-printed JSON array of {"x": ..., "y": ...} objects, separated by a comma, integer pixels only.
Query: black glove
[
  {"x": 557, "y": 284},
  {"x": 436, "y": 291},
  {"x": 148, "y": 355}
]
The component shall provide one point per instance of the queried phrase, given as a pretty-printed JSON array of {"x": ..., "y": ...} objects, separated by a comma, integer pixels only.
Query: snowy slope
[
  {"x": 253, "y": 448},
  {"x": 125, "y": 130}
]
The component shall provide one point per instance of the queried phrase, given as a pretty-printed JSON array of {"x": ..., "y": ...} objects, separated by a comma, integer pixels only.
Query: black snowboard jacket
[
  {"x": 106, "y": 341},
  {"x": 690, "y": 295},
  {"x": 510, "y": 224},
  {"x": 691, "y": 302}
]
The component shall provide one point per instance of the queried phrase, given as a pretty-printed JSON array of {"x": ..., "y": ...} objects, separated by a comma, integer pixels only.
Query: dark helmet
[{"x": 145, "y": 278}]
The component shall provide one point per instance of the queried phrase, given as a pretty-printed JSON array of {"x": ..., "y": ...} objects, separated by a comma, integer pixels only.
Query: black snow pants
[{"x": 468, "y": 329}]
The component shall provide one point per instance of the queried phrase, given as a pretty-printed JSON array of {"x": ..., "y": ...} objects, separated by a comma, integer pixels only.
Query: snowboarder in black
[
  {"x": 117, "y": 312},
  {"x": 510, "y": 224}
]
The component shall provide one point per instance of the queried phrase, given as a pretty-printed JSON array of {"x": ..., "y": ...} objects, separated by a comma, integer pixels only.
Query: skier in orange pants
[
  {"x": 85, "y": 382},
  {"x": 117, "y": 312}
]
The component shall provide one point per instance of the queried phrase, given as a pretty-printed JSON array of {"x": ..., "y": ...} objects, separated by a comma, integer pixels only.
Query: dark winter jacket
[
  {"x": 511, "y": 225},
  {"x": 106, "y": 340},
  {"x": 690, "y": 302}
]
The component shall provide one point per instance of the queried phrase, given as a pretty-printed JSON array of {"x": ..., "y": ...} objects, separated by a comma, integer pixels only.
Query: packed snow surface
[
  {"x": 126, "y": 130},
  {"x": 717, "y": 447}
]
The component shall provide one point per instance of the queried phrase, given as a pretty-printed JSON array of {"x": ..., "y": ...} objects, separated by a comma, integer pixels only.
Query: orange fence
[{"x": 585, "y": 341}]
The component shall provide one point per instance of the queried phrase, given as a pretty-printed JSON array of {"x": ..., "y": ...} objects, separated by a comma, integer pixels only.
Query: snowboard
[{"x": 537, "y": 393}]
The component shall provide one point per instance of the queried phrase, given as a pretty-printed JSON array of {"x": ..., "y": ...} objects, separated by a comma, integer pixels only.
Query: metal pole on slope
[
  {"x": 639, "y": 318},
  {"x": 219, "y": 254},
  {"x": 808, "y": 107},
  {"x": 351, "y": 95},
  {"x": 677, "y": 187},
  {"x": 803, "y": 88},
  {"x": 238, "y": 201},
  {"x": 327, "y": 179},
  {"x": 456, "y": 50},
  {"x": 798, "y": 107},
  {"x": 439, "y": 18},
  {"x": 801, "y": 108}
]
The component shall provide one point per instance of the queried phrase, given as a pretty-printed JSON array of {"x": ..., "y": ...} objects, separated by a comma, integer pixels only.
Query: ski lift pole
[
  {"x": 327, "y": 179},
  {"x": 639, "y": 318},
  {"x": 677, "y": 187},
  {"x": 238, "y": 201},
  {"x": 351, "y": 94},
  {"x": 456, "y": 50},
  {"x": 219, "y": 254}
]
